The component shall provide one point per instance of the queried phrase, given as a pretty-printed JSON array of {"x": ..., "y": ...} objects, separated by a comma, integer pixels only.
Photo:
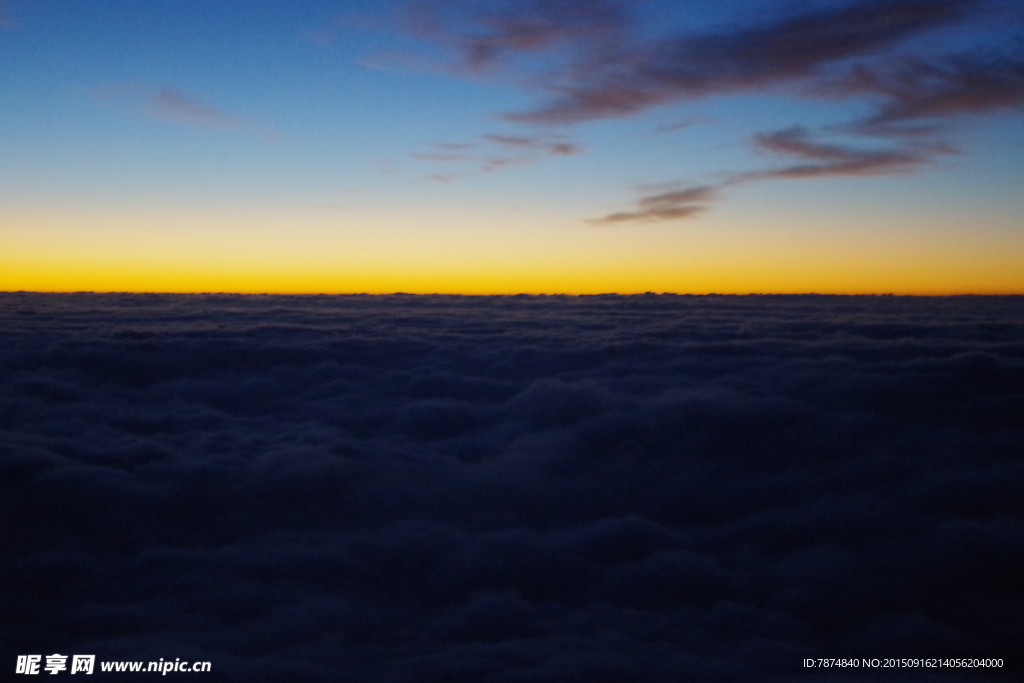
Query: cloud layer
[{"x": 509, "y": 489}]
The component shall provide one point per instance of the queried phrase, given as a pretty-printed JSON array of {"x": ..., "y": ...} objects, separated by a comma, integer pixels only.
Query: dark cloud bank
[{"x": 512, "y": 489}]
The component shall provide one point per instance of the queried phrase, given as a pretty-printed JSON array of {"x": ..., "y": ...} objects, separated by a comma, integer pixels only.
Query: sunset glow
[{"x": 259, "y": 148}]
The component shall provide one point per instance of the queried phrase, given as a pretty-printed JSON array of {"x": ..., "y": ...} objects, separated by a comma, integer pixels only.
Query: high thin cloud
[
  {"x": 610, "y": 72},
  {"x": 787, "y": 50},
  {"x": 172, "y": 104},
  {"x": 817, "y": 160},
  {"x": 684, "y": 203},
  {"x": 831, "y": 160},
  {"x": 559, "y": 149},
  {"x": 918, "y": 91},
  {"x": 7, "y": 15},
  {"x": 592, "y": 63},
  {"x": 494, "y": 152},
  {"x": 486, "y": 34},
  {"x": 680, "y": 125},
  {"x": 180, "y": 106}
]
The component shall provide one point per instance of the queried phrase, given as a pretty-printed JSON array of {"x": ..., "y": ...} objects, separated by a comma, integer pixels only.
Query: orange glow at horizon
[
  {"x": 851, "y": 278},
  {"x": 251, "y": 254}
]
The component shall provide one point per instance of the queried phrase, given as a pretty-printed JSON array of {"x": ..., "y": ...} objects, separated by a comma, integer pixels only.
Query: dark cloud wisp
[
  {"x": 685, "y": 203},
  {"x": 494, "y": 152},
  {"x": 788, "y": 49},
  {"x": 553, "y": 148},
  {"x": 905, "y": 60},
  {"x": 485, "y": 34},
  {"x": 817, "y": 160},
  {"x": 923, "y": 91},
  {"x": 831, "y": 160}
]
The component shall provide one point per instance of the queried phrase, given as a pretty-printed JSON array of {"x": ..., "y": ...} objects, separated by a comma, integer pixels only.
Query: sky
[{"x": 559, "y": 146}]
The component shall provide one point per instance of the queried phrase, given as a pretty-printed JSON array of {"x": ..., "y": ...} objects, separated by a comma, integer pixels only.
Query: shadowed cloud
[
  {"x": 485, "y": 33},
  {"x": 596, "y": 62},
  {"x": 920, "y": 91},
  {"x": 830, "y": 160},
  {"x": 513, "y": 489},
  {"x": 548, "y": 147},
  {"x": 821, "y": 161},
  {"x": 788, "y": 49},
  {"x": 664, "y": 206}
]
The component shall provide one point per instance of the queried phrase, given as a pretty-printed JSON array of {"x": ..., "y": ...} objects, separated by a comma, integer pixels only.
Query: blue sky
[{"x": 518, "y": 132}]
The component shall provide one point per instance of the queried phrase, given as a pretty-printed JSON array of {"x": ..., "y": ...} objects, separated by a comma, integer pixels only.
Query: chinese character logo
[
  {"x": 28, "y": 664},
  {"x": 82, "y": 664},
  {"x": 55, "y": 663}
]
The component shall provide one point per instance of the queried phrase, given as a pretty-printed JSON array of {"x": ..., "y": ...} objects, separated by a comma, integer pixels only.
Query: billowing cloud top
[{"x": 403, "y": 488}]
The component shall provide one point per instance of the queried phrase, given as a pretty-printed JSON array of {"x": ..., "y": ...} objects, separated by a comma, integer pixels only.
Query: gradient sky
[{"x": 498, "y": 147}]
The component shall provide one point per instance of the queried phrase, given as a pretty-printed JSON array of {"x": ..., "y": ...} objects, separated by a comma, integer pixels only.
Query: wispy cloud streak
[
  {"x": 552, "y": 148},
  {"x": 7, "y": 16},
  {"x": 817, "y": 160},
  {"x": 685, "y": 203},
  {"x": 916, "y": 91},
  {"x": 486, "y": 34},
  {"x": 608, "y": 71},
  {"x": 831, "y": 160},
  {"x": 493, "y": 152},
  {"x": 591, "y": 61},
  {"x": 747, "y": 58},
  {"x": 178, "y": 106}
]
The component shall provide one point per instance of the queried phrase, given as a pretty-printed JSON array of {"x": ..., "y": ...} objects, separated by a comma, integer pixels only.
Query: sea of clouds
[{"x": 599, "y": 489}]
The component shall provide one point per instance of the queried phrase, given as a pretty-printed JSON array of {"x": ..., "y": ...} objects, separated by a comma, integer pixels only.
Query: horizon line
[{"x": 504, "y": 294}]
